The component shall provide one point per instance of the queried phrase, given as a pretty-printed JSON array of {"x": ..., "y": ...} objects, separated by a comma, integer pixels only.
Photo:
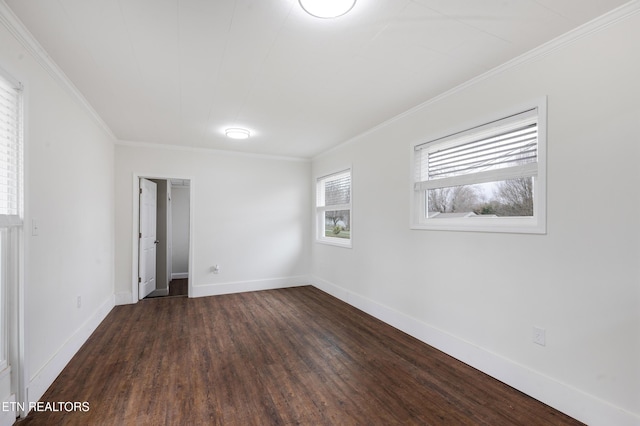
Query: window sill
[
  {"x": 503, "y": 225},
  {"x": 334, "y": 242}
]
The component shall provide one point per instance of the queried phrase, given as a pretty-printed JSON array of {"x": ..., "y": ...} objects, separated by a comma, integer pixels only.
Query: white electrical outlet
[
  {"x": 539, "y": 336},
  {"x": 79, "y": 302}
]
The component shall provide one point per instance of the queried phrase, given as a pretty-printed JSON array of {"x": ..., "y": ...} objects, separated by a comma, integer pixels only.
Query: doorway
[{"x": 162, "y": 231}]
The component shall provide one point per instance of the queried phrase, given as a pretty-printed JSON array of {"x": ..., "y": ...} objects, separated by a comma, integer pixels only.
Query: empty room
[{"x": 276, "y": 212}]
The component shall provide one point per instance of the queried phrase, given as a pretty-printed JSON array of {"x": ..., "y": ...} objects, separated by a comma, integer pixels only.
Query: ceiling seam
[
  {"x": 217, "y": 73},
  {"x": 625, "y": 11},
  {"x": 251, "y": 85},
  {"x": 149, "y": 145},
  {"x": 133, "y": 50}
]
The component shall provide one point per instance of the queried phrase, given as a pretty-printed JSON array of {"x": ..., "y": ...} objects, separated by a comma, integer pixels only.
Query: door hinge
[
  {"x": 139, "y": 279},
  {"x": 140, "y": 235},
  {"x": 141, "y": 190}
]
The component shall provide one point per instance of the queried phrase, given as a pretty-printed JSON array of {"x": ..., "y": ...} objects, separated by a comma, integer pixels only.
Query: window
[
  {"x": 10, "y": 152},
  {"x": 10, "y": 197},
  {"x": 489, "y": 177},
  {"x": 333, "y": 208}
]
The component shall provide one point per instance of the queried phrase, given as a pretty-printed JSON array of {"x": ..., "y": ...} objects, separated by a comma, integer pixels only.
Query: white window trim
[
  {"x": 12, "y": 272},
  {"x": 319, "y": 210},
  {"x": 528, "y": 225}
]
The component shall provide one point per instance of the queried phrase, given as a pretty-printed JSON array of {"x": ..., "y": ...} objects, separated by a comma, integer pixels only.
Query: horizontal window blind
[
  {"x": 335, "y": 190},
  {"x": 10, "y": 152},
  {"x": 333, "y": 209},
  {"x": 504, "y": 149}
]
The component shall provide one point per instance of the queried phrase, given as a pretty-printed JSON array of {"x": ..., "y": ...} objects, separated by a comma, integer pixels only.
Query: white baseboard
[
  {"x": 575, "y": 403},
  {"x": 47, "y": 374},
  {"x": 179, "y": 275},
  {"x": 243, "y": 286},
  {"x": 9, "y": 411}
]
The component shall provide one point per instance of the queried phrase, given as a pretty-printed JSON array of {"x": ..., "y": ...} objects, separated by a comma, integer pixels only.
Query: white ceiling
[{"x": 178, "y": 72}]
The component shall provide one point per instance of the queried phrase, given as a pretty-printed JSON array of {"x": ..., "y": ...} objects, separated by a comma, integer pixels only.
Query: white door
[{"x": 147, "y": 244}]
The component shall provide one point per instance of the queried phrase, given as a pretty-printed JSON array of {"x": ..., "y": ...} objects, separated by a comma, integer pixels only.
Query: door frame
[
  {"x": 136, "y": 228},
  {"x": 148, "y": 238}
]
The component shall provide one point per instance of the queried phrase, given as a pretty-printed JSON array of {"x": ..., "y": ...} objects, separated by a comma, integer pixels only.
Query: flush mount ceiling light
[
  {"x": 237, "y": 133},
  {"x": 327, "y": 8}
]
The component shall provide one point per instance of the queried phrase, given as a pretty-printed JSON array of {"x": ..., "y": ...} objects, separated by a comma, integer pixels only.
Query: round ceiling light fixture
[
  {"x": 237, "y": 133},
  {"x": 327, "y": 8}
]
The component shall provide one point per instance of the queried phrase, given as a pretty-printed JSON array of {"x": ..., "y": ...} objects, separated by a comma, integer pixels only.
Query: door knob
[{"x": 156, "y": 242}]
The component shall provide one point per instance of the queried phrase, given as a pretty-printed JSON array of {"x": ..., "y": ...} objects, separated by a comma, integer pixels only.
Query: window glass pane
[
  {"x": 507, "y": 198},
  {"x": 3, "y": 293},
  {"x": 10, "y": 148},
  {"x": 337, "y": 224},
  {"x": 337, "y": 190},
  {"x": 518, "y": 146},
  {"x": 501, "y": 144}
]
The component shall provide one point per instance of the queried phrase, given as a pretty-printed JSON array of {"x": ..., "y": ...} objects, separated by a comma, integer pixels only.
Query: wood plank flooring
[
  {"x": 280, "y": 357},
  {"x": 178, "y": 287}
]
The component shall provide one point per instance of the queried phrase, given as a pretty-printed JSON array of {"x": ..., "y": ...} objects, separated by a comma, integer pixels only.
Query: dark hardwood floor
[
  {"x": 280, "y": 357},
  {"x": 178, "y": 287}
]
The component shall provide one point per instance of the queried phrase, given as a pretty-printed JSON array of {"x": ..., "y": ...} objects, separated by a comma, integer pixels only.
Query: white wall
[
  {"x": 478, "y": 295},
  {"x": 69, "y": 192},
  {"x": 180, "y": 229},
  {"x": 250, "y": 217}
]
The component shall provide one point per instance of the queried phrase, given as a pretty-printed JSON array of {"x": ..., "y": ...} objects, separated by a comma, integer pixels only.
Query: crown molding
[
  {"x": 33, "y": 47},
  {"x": 598, "y": 24},
  {"x": 28, "y": 41}
]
